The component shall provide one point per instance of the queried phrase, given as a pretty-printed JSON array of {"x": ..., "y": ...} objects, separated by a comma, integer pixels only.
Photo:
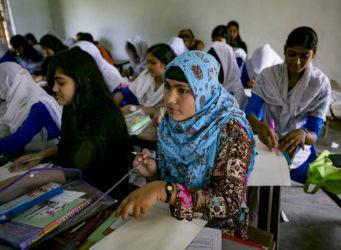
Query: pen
[
  {"x": 149, "y": 157},
  {"x": 272, "y": 123},
  {"x": 77, "y": 227},
  {"x": 90, "y": 227},
  {"x": 34, "y": 158}
]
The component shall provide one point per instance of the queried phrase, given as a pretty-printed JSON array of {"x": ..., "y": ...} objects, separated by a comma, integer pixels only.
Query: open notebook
[{"x": 5, "y": 173}]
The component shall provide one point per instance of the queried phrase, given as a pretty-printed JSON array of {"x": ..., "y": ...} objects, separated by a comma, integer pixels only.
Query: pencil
[
  {"x": 90, "y": 227},
  {"x": 34, "y": 158},
  {"x": 272, "y": 123},
  {"x": 161, "y": 111},
  {"x": 77, "y": 227},
  {"x": 141, "y": 154}
]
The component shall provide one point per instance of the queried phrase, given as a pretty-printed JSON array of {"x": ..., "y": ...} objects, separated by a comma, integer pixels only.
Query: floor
[{"x": 314, "y": 220}]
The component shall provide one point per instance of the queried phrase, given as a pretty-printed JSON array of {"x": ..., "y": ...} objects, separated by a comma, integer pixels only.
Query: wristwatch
[
  {"x": 169, "y": 191},
  {"x": 132, "y": 108}
]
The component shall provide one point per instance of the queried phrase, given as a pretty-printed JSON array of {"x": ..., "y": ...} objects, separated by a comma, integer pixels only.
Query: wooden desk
[{"x": 119, "y": 64}]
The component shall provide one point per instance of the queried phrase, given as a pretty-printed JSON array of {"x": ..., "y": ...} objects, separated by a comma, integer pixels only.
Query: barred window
[{"x": 5, "y": 34}]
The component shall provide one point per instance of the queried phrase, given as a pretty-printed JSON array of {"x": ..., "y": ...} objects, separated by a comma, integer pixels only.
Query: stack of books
[{"x": 137, "y": 121}]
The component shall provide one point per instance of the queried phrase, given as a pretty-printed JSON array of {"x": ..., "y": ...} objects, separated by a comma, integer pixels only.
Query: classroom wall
[
  {"x": 32, "y": 16},
  {"x": 261, "y": 21}
]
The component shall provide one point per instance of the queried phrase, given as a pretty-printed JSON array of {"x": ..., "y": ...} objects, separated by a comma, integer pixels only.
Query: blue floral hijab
[{"x": 187, "y": 149}]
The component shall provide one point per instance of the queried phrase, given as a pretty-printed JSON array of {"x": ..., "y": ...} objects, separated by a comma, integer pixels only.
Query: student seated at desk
[
  {"x": 229, "y": 75},
  {"x": 233, "y": 28},
  {"x": 136, "y": 50},
  {"x": 295, "y": 95},
  {"x": 30, "y": 119},
  {"x": 111, "y": 75},
  {"x": 204, "y": 148},
  {"x": 147, "y": 89},
  {"x": 28, "y": 57},
  {"x": 51, "y": 45},
  {"x": 94, "y": 136}
]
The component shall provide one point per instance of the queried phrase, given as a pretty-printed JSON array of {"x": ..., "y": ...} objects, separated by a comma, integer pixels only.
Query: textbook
[
  {"x": 136, "y": 122},
  {"x": 31, "y": 225},
  {"x": 24, "y": 202}
]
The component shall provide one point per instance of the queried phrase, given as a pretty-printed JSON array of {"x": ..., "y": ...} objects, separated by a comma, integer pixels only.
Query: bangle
[{"x": 306, "y": 133}]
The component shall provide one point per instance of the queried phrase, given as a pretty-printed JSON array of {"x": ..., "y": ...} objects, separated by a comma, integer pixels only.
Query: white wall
[
  {"x": 32, "y": 16},
  {"x": 261, "y": 21}
]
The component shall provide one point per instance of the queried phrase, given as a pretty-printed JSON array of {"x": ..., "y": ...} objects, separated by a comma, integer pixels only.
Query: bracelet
[{"x": 306, "y": 133}]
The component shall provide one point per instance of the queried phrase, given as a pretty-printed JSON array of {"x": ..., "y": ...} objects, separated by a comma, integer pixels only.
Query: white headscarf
[
  {"x": 177, "y": 45},
  {"x": 110, "y": 74},
  {"x": 232, "y": 82},
  {"x": 144, "y": 90},
  {"x": 139, "y": 63},
  {"x": 289, "y": 110},
  {"x": 262, "y": 58},
  {"x": 3, "y": 49},
  {"x": 69, "y": 41},
  {"x": 20, "y": 92}
]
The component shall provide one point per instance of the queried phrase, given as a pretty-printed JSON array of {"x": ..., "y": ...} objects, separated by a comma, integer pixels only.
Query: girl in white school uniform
[
  {"x": 147, "y": 90},
  {"x": 229, "y": 75},
  {"x": 136, "y": 50},
  {"x": 111, "y": 75},
  {"x": 294, "y": 94}
]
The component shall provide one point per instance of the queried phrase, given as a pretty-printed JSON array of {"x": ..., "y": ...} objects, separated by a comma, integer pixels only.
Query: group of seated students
[{"x": 205, "y": 146}]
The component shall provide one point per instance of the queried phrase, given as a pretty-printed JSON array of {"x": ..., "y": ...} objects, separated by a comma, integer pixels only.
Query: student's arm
[
  {"x": 38, "y": 118},
  {"x": 263, "y": 130},
  {"x": 147, "y": 110},
  {"x": 118, "y": 98},
  {"x": 308, "y": 135}
]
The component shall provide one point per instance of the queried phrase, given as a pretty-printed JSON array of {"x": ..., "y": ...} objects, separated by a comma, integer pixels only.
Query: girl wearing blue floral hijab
[{"x": 205, "y": 150}]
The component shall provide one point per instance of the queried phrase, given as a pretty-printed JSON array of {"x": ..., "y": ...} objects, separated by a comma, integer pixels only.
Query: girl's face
[
  {"x": 49, "y": 52},
  {"x": 64, "y": 87},
  {"x": 219, "y": 39},
  {"x": 298, "y": 58},
  {"x": 179, "y": 100},
  {"x": 233, "y": 31},
  {"x": 155, "y": 66}
]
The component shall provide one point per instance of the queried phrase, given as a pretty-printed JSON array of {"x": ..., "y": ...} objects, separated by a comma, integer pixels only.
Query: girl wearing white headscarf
[
  {"x": 29, "y": 117},
  {"x": 229, "y": 68},
  {"x": 177, "y": 45},
  {"x": 110, "y": 74},
  {"x": 295, "y": 95},
  {"x": 136, "y": 50}
]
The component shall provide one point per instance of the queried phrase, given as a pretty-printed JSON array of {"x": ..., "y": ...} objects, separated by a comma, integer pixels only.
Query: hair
[
  {"x": 220, "y": 31},
  {"x": 233, "y": 23},
  {"x": 31, "y": 37},
  {"x": 175, "y": 73},
  {"x": 163, "y": 52},
  {"x": 18, "y": 41},
  {"x": 186, "y": 33},
  {"x": 302, "y": 36},
  {"x": 86, "y": 37},
  {"x": 91, "y": 90},
  {"x": 196, "y": 43},
  {"x": 52, "y": 43},
  {"x": 221, "y": 72}
]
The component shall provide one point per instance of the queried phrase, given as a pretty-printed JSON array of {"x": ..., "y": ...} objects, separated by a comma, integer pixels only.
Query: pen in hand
[{"x": 148, "y": 157}]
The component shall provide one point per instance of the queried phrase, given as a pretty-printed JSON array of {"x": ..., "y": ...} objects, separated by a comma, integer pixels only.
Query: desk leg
[{"x": 269, "y": 210}]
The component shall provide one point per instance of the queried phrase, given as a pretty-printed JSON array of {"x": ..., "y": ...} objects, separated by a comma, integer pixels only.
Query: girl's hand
[
  {"x": 266, "y": 136},
  {"x": 145, "y": 166},
  {"x": 142, "y": 199},
  {"x": 125, "y": 110},
  {"x": 291, "y": 140},
  {"x": 19, "y": 163}
]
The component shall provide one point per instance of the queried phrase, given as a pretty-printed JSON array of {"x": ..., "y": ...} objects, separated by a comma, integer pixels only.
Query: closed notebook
[{"x": 26, "y": 228}]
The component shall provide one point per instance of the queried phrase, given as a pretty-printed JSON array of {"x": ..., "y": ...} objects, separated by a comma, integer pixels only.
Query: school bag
[{"x": 324, "y": 172}]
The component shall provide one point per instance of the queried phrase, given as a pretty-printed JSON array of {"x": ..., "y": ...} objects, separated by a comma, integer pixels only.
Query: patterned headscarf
[{"x": 187, "y": 149}]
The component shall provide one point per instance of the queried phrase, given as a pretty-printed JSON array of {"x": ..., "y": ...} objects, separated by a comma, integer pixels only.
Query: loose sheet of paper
[
  {"x": 157, "y": 229},
  {"x": 207, "y": 239},
  {"x": 270, "y": 169}
]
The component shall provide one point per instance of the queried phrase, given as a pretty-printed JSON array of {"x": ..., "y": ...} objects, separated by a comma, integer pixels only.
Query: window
[{"x": 5, "y": 34}]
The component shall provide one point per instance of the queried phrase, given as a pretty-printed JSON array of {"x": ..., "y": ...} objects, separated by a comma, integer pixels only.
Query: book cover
[
  {"x": 28, "y": 227},
  {"x": 24, "y": 202},
  {"x": 137, "y": 121}
]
